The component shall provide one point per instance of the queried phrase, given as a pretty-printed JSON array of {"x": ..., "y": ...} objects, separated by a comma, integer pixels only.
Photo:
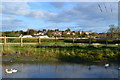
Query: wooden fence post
[
  {"x": 106, "y": 42},
  {"x": 5, "y": 40},
  {"x": 73, "y": 40},
  {"x": 89, "y": 41},
  {"x": 21, "y": 41},
  {"x": 39, "y": 40}
]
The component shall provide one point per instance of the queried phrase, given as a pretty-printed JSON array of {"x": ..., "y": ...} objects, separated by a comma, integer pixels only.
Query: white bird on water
[
  {"x": 107, "y": 65},
  {"x": 119, "y": 68},
  {"x": 11, "y": 71},
  {"x": 14, "y": 70},
  {"x": 8, "y": 71}
]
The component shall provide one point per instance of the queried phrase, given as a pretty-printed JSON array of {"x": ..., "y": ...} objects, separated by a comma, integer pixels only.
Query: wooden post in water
[
  {"x": 39, "y": 40},
  {"x": 4, "y": 40},
  {"x": 21, "y": 41}
]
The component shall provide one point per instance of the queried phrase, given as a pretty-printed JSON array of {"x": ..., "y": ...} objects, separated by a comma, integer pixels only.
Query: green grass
[
  {"x": 103, "y": 41},
  {"x": 29, "y": 40},
  {"x": 64, "y": 52}
]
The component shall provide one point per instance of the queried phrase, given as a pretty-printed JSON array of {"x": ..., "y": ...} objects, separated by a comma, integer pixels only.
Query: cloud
[
  {"x": 57, "y": 4},
  {"x": 82, "y": 14},
  {"x": 20, "y": 9},
  {"x": 12, "y": 24},
  {"x": 13, "y": 8},
  {"x": 85, "y": 12},
  {"x": 78, "y": 13},
  {"x": 81, "y": 11},
  {"x": 16, "y": 9},
  {"x": 19, "y": 0},
  {"x": 88, "y": 16}
]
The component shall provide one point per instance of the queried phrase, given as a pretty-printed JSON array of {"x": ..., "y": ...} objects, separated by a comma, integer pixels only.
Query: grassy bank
[{"x": 62, "y": 52}]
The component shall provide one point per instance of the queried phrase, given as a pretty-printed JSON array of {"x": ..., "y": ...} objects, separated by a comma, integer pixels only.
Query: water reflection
[{"x": 60, "y": 70}]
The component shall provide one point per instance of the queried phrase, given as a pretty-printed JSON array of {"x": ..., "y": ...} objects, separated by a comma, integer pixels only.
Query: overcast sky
[{"x": 95, "y": 16}]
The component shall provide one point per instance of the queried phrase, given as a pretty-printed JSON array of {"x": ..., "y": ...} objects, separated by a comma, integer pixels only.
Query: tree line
[{"x": 112, "y": 32}]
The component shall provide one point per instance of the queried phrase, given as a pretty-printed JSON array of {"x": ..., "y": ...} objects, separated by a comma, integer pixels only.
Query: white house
[
  {"x": 27, "y": 36},
  {"x": 45, "y": 36},
  {"x": 68, "y": 33},
  {"x": 88, "y": 32},
  {"x": 40, "y": 33}
]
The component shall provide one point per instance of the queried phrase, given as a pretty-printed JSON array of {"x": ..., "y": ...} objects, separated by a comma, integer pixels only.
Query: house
[
  {"x": 36, "y": 34},
  {"x": 57, "y": 33},
  {"x": 68, "y": 33},
  {"x": 40, "y": 33},
  {"x": 27, "y": 36},
  {"x": 81, "y": 32},
  {"x": 73, "y": 33},
  {"x": 45, "y": 36},
  {"x": 88, "y": 32}
]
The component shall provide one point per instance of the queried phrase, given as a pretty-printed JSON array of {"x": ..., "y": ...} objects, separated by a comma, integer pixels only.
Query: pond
[{"x": 60, "y": 70}]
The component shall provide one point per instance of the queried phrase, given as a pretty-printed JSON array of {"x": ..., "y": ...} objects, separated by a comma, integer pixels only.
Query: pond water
[{"x": 60, "y": 70}]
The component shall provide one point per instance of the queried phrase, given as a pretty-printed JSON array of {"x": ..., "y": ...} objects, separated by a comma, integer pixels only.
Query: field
[{"x": 62, "y": 52}]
